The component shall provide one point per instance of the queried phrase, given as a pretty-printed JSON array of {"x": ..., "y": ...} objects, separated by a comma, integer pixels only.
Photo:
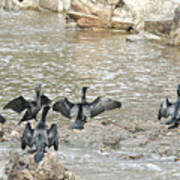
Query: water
[{"x": 36, "y": 47}]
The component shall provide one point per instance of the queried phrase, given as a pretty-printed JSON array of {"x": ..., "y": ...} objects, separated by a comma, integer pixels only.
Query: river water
[{"x": 37, "y": 48}]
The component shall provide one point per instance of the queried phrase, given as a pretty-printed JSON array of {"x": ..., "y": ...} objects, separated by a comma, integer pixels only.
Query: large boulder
[
  {"x": 101, "y": 14},
  {"x": 93, "y": 14},
  {"x": 22, "y": 166}
]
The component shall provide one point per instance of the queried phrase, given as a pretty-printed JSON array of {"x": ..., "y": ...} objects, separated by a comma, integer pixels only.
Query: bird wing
[
  {"x": 2, "y": 119},
  {"x": 101, "y": 104},
  {"x": 45, "y": 100},
  {"x": 66, "y": 108},
  {"x": 27, "y": 137},
  {"x": 166, "y": 109},
  {"x": 53, "y": 137},
  {"x": 18, "y": 104}
]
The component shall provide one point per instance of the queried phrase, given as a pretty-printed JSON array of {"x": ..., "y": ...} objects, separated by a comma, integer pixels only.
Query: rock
[
  {"x": 174, "y": 37},
  {"x": 86, "y": 21},
  {"x": 177, "y": 14},
  {"x": 27, "y": 4},
  {"x": 113, "y": 2},
  {"x": 159, "y": 25},
  {"x": 133, "y": 157},
  {"x": 52, "y": 5},
  {"x": 56, "y": 5},
  {"x": 143, "y": 36},
  {"x": 22, "y": 166},
  {"x": 119, "y": 23},
  {"x": 123, "y": 12},
  {"x": 136, "y": 11},
  {"x": 8, "y": 5},
  {"x": 100, "y": 14}
]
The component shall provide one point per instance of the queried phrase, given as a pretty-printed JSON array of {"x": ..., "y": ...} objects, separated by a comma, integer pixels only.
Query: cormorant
[
  {"x": 82, "y": 110},
  {"x": 168, "y": 108},
  {"x": 19, "y": 104},
  {"x": 41, "y": 137}
]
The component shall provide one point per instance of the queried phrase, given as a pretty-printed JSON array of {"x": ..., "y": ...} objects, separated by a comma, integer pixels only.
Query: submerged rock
[{"x": 22, "y": 166}]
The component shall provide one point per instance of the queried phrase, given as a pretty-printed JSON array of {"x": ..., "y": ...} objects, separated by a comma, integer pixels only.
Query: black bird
[
  {"x": 82, "y": 110},
  {"x": 168, "y": 108},
  {"x": 19, "y": 104},
  {"x": 2, "y": 119},
  {"x": 41, "y": 137}
]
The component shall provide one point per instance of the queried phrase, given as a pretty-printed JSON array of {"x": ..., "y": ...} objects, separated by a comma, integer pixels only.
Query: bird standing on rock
[
  {"x": 83, "y": 110},
  {"x": 41, "y": 137},
  {"x": 19, "y": 104}
]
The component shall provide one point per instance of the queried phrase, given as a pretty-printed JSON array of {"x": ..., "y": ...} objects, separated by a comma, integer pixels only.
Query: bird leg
[{"x": 176, "y": 124}]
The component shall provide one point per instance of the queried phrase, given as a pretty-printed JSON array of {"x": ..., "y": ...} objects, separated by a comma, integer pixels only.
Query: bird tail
[{"x": 38, "y": 156}]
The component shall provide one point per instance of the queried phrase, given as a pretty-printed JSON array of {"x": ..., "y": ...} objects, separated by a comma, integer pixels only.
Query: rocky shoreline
[
  {"x": 136, "y": 137},
  {"x": 160, "y": 18}
]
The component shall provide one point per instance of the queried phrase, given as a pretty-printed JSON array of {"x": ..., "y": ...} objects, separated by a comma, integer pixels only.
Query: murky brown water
[{"x": 35, "y": 47}]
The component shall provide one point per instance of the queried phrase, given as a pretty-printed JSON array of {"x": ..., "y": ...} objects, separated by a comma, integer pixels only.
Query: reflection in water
[{"x": 35, "y": 47}]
